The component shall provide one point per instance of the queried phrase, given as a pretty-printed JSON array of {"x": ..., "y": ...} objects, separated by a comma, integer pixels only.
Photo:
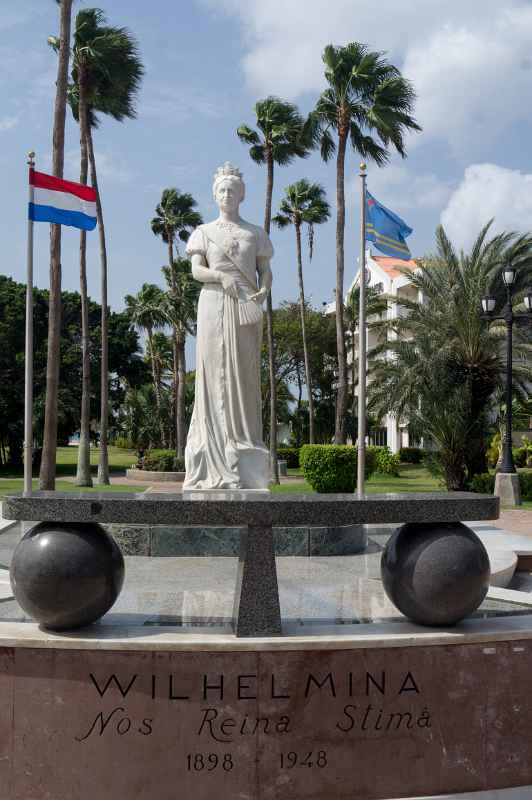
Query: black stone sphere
[
  {"x": 66, "y": 575},
  {"x": 435, "y": 573}
]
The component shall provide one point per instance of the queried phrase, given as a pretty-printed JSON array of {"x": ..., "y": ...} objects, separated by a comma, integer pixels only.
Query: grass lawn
[
  {"x": 119, "y": 460},
  {"x": 413, "y": 478}
]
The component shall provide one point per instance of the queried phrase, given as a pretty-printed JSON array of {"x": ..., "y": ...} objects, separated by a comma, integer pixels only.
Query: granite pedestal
[{"x": 257, "y": 600}]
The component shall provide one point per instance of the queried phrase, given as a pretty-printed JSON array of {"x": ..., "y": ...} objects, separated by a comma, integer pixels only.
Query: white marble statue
[{"x": 231, "y": 258}]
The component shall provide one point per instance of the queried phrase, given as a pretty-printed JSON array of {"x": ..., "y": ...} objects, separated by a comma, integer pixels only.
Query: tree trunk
[
  {"x": 354, "y": 409},
  {"x": 274, "y": 466},
  {"x": 47, "y": 471},
  {"x": 175, "y": 342},
  {"x": 304, "y": 335},
  {"x": 156, "y": 386},
  {"x": 103, "y": 465},
  {"x": 341, "y": 396},
  {"x": 181, "y": 388},
  {"x": 83, "y": 474}
]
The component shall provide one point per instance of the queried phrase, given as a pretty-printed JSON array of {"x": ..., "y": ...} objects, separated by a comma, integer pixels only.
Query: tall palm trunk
[
  {"x": 274, "y": 466},
  {"x": 304, "y": 334},
  {"x": 181, "y": 390},
  {"x": 47, "y": 471},
  {"x": 341, "y": 395},
  {"x": 354, "y": 408},
  {"x": 103, "y": 465},
  {"x": 175, "y": 345},
  {"x": 83, "y": 474},
  {"x": 154, "y": 374}
]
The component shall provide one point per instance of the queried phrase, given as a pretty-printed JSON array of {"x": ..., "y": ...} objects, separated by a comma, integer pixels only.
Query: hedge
[
  {"x": 386, "y": 462},
  {"x": 333, "y": 467},
  {"x": 411, "y": 455},
  {"x": 162, "y": 461},
  {"x": 485, "y": 484},
  {"x": 290, "y": 455}
]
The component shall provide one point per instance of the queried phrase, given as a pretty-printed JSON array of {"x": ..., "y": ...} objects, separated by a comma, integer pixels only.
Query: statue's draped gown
[{"x": 224, "y": 446}]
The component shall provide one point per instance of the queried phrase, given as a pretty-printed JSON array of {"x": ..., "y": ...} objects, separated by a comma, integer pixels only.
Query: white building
[{"x": 383, "y": 274}]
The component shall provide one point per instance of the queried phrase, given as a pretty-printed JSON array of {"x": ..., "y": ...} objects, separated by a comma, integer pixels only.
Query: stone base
[
  {"x": 163, "y": 540},
  {"x": 507, "y": 488}
]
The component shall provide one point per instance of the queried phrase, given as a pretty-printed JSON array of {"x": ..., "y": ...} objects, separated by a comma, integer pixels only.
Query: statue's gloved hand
[
  {"x": 229, "y": 285},
  {"x": 260, "y": 296}
]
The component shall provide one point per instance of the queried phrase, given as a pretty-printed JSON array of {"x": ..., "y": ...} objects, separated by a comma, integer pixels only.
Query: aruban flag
[
  {"x": 62, "y": 202},
  {"x": 386, "y": 230}
]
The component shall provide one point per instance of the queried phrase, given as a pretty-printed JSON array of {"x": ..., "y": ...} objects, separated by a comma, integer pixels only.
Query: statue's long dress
[{"x": 224, "y": 446}]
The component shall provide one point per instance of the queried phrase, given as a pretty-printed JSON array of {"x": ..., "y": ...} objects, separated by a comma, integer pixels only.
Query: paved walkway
[{"x": 515, "y": 520}]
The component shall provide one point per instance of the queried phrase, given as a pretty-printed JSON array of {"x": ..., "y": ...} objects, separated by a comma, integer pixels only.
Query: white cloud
[
  {"x": 472, "y": 70},
  {"x": 488, "y": 191},
  {"x": 109, "y": 166},
  {"x": 6, "y": 123},
  {"x": 399, "y": 188},
  {"x": 178, "y": 104}
]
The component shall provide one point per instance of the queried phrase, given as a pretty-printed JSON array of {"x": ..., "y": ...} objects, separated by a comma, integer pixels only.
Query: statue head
[{"x": 228, "y": 188}]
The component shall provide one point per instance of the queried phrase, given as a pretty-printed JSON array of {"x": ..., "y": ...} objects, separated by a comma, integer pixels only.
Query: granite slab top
[{"x": 249, "y": 508}]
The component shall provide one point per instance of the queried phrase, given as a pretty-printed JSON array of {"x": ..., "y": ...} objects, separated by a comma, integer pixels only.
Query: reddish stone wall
[{"x": 319, "y": 725}]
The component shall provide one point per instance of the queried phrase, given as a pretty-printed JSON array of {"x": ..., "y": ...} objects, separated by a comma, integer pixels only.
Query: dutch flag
[{"x": 62, "y": 202}]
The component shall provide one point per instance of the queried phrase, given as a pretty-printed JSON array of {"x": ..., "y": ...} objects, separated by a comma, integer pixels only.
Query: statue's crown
[{"x": 227, "y": 170}]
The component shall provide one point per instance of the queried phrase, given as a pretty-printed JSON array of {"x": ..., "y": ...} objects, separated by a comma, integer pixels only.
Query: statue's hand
[
  {"x": 229, "y": 285},
  {"x": 260, "y": 296}
]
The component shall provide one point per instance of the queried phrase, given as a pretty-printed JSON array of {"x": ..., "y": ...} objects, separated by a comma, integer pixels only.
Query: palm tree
[
  {"x": 282, "y": 137},
  {"x": 107, "y": 65},
  {"x": 368, "y": 103},
  {"x": 47, "y": 471},
  {"x": 304, "y": 203},
  {"x": 180, "y": 310},
  {"x": 145, "y": 310},
  {"x": 176, "y": 219},
  {"x": 447, "y": 361},
  {"x": 376, "y": 305}
]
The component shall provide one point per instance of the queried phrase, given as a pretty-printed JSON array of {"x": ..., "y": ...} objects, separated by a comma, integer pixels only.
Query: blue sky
[{"x": 208, "y": 61}]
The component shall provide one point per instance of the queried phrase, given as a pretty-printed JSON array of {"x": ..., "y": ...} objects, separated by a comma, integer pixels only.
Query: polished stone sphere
[
  {"x": 66, "y": 575},
  {"x": 435, "y": 573}
]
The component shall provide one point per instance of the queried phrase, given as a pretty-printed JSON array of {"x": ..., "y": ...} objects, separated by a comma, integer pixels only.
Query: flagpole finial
[
  {"x": 362, "y": 167},
  {"x": 31, "y": 158}
]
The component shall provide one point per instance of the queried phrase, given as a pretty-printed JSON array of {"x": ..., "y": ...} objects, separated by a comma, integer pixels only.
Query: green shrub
[
  {"x": 494, "y": 450},
  {"x": 483, "y": 484},
  {"x": 333, "y": 468},
  {"x": 411, "y": 455},
  {"x": 123, "y": 442},
  {"x": 386, "y": 462},
  {"x": 525, "y": 481},
  {"x": 290, "y": 455},
  {"x": 520, "y": 455},
  {"x": 162, "y": 461}
]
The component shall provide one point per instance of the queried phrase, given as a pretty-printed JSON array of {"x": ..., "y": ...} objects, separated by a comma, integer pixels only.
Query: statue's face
[{"x": 228, "y": 195}]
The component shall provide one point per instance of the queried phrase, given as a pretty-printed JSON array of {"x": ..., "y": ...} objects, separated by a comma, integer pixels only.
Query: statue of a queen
[{"x": 231, "y": 258}]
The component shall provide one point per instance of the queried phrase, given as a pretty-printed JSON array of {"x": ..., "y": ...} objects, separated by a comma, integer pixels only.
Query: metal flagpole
[
  {"x": 361, "y": 459},
  {"x": 28, "y": 371}
]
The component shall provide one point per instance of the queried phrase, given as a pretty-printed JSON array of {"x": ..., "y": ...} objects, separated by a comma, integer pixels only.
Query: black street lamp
[{"x": 509, "y": 274}]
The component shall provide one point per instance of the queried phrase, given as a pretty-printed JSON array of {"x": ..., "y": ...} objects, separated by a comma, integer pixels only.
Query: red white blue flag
[{"x": 62, "y": 202}]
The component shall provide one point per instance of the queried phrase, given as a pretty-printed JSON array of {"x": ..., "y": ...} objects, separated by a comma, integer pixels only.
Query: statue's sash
[{"x": 249, "y": 311}]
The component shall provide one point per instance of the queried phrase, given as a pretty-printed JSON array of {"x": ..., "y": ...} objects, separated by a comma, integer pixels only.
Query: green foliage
[
  {"x": 386, "y": 462},
  {"x": 411, "y": 455},
  {"x": 332, "y": 468},
  {"x": 282, "y": 133},
  {"x": 520, "y": 455},
  {"x": 494, "y": 450},
  {"x": 290, "y": 455},
  {"x": 124, "y": 443},
  {"x": 162, "y": 461},
  {"x": 483, "y": 484}
]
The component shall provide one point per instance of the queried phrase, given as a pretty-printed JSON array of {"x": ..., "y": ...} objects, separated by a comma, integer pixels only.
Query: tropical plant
[
  {"x": 146, "y": 311},
  {"x": 376, "y": 307},
  {"x": 106, "y": 77},
  {"x": 175, "y": 220},
  {"x": 368, "y": 103},
  {"x": 180, "y": 311},
  {"x": 280, "y": 138},
  {"x": 47, "y": 470},
  {"x": 304, "y": 204},
  {"x": 442, "y": 370}
]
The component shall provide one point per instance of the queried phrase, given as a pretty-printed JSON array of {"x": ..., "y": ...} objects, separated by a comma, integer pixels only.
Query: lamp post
[{"x": 506, "y": 482}]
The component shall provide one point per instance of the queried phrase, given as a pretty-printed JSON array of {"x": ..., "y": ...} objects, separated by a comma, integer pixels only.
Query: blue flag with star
[{"x": 386, "y": 230}]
